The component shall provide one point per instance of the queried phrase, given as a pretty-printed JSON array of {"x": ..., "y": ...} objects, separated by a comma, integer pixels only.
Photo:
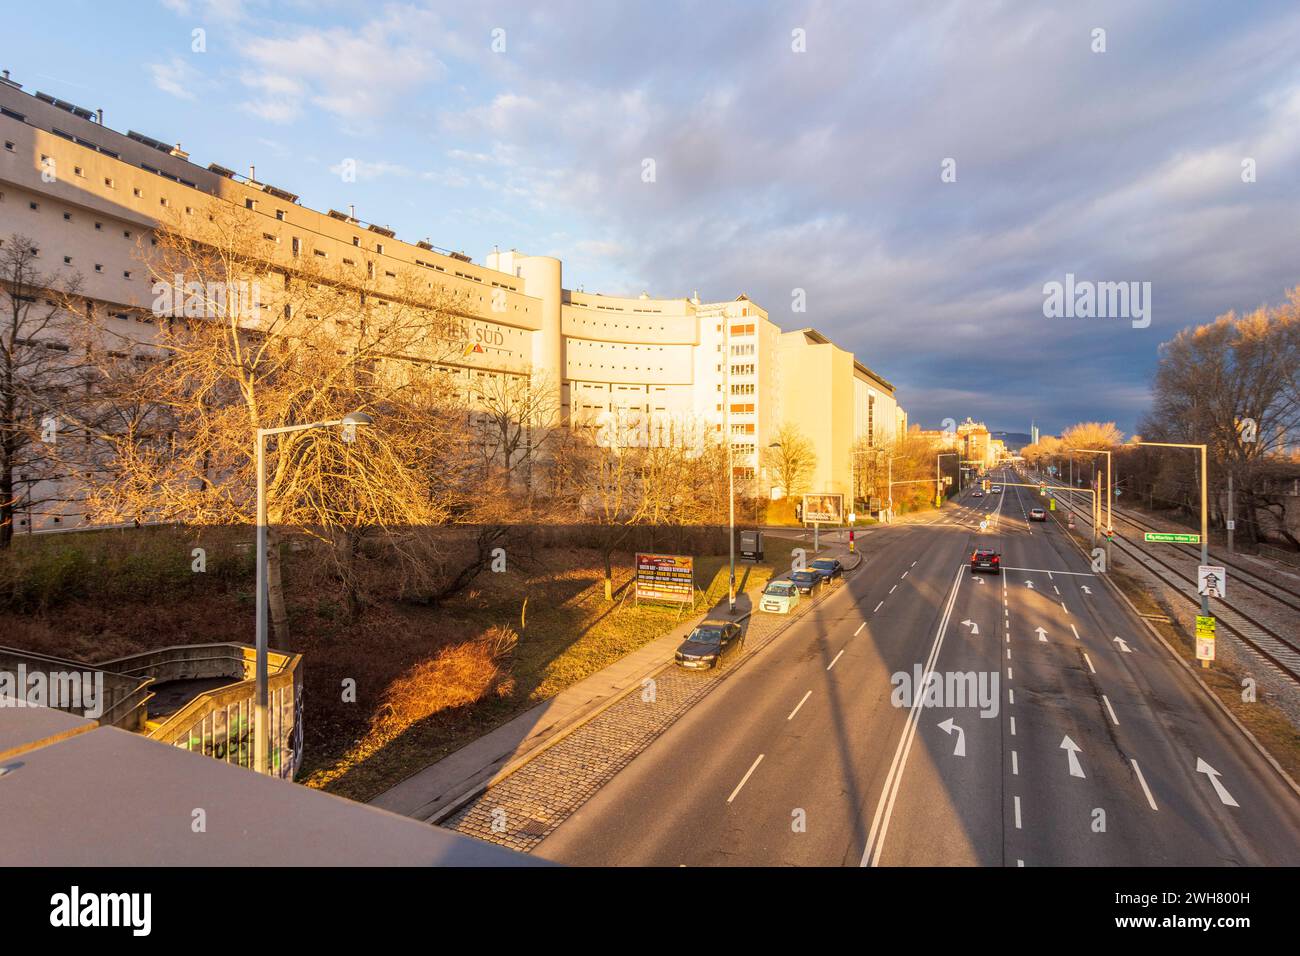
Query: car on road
[
  {"x": 985, "y": 559},
  {"x": 807, "y": 581},
  {"x": 977, "y": 494},
  {"x": 707, "y": 644},
  {"x": 997, "y": 489},
  {"x": 828, "y": 568},
  {"x": 779, "y": 597},
  {"x": 1037, "y": 514}
]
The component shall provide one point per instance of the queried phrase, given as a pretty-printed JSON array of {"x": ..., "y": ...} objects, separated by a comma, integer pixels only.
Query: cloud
[
  {"x": 356, "y": 74},
  {"x": 176, "y": 77}
]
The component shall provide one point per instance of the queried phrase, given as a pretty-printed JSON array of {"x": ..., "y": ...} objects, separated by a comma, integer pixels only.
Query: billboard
[
  {"x": 824, "y": 508},
  {"x": 665, "y": 577}
]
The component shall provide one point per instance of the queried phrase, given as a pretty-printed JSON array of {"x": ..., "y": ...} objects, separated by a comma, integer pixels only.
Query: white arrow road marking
[
  {"x": 1072, "y": 751},
  {"x": 948, "y": 727},
  {"x": 1042, "y": 635},
  {"x": 974, "y": 628},
  {"x": 1030, "y": 585},
  {"x": 1123, "y": 646},
  {"x": 977, "y": 580},
  {"x": 745, "y": 778},
  {"x": 1085, "y": 588},
  {"x": 1224, "y": 796}
]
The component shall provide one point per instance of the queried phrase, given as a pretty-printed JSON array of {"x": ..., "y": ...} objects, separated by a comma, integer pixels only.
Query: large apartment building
[{"x": 90, "y": 197}]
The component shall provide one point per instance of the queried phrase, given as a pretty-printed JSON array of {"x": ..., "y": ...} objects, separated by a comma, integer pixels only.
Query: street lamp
[
  {"x": 1205, "y": 524},
  {"x": 938, "y": 480},
  {"x": 349, "y": 422},
  {"x": 1109, "y": 496}
]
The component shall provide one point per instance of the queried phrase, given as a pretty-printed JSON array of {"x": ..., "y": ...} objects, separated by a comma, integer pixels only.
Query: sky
[{"x": 914, "y": 172}]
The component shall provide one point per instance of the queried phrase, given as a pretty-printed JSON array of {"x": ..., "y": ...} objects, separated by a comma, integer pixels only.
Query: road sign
[
  {"x": 1232, "y": 525},
  {"x": 1170, "y": 538},
  {"x": 1212, "y": 580},
  {"x": 1051, "y": 504},
  {"x": 1205, "y": 639}
]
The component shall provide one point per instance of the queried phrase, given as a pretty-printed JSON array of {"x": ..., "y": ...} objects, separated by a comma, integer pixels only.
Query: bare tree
[
  {"x": 244, "y": 342},
  {"x": 793, "y": 460},
  {"x": 42, "y": 368}
]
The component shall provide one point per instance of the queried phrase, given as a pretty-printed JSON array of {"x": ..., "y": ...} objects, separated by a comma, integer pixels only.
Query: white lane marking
[
  {"x": 885, "y": 808},
  {"x": 1082, "y": 574},
  {"x": 1008, "y": 653},
  {"x": 1009, "y": 673},
  {"x": 904, "y": 574},
  {"x": 1013, "y": 726},
  {"x": 1111, "y": 710},
  {"x": 1089, "y": 660},
  {"x": 860, "y": 627},
  {"x": 837, "y": 657},
  {"x": 1056, "y": 589},
  {"x": 745, "y": 778},
  {"x": 913, "y": 564},
  {"x": 1017, "y": 799},
  {"x": 1049, "y": 576},
  {"x": 1076, "y": 633},
  {"x": 1011, "y": 696},
  {"x": 798, "y": 705},
  {"x": 894, "y": 588},
  {"x": 877, "y": 607},
  {"x": 1015, "y": 764},
  {"x": 1143, "y": 780},
  {"x": 1064, "y": 608},
  {"x": 1020, "y": 862}
]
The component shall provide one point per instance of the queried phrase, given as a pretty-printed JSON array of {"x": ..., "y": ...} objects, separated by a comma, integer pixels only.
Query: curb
[
  {"x": 449, "y": 807},
  {"x": 1191, "y": 672}
]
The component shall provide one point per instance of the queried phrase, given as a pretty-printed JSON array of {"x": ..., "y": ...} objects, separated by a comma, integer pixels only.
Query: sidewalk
[{"x": 439, "y": 788}]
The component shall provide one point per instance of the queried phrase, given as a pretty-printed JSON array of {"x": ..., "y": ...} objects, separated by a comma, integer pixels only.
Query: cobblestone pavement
[{"x": 523, "y": 809}]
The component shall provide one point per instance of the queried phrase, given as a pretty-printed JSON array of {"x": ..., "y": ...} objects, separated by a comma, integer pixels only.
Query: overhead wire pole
[
  {"x": 1109, "y": 524},
  {"x": 731, "y": 468},
  {"x": 1205, "y": 514},
  {"x": 938, "y": 478}
]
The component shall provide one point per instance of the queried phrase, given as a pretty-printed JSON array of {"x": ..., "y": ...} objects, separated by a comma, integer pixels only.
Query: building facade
[{"x": 89, "y": 197}]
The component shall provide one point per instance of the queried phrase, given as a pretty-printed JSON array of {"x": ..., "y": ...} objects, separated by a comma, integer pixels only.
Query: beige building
[{"x": 89, "y": 197}]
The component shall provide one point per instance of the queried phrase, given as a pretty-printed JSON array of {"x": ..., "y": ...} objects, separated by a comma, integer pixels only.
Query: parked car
[
  {"x": 828, "y": 568},
  {"x": 707, "y": 644},
  {"x": 985, "y": 559},
  {"x": 807, "y": 581},
  {"x": 779, "y": 597},
  {"x": 1037, "y": 514}
]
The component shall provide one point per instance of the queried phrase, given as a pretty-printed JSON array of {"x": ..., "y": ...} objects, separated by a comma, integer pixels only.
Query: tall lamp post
[
  {"x": 938, "y": 479},
  {"x": 1109, "y": 496},
  {"x": 261, "y": 762},
  {"x": 1205, "y": 522}
]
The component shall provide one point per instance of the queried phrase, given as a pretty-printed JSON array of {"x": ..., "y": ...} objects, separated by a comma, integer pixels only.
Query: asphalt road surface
[{"x": 1089, "y": 746}]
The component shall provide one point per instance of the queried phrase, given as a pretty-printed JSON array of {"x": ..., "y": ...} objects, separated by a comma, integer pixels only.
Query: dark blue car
[{"x": 828, "y": 568}]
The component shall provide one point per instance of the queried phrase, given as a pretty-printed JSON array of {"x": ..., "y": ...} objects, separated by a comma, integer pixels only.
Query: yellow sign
[{"x": 1204, "y": 626}]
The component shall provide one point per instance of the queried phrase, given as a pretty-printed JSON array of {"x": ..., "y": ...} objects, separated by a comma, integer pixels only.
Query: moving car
[
  {"x": 828, "y": 568},
  {"x": 997, "y": 489},
  {"x": 806, "y": 581},
  {"x": 1037, "y": 514},
  {"x": 779, "y": 597},
  {"x": 977, "y": 494},
  {"x": 708, "y": 643},
  {"x": 985, "y": 559}
]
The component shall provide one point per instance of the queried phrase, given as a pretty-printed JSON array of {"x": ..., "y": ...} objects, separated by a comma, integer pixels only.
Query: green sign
[{"x": 1172, "y": 538}]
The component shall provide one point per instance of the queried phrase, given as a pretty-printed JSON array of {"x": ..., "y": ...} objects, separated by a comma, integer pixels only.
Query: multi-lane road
[{"x": 1078, "y": 740}]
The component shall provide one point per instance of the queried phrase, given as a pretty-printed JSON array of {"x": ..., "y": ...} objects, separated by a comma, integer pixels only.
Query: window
[
  {"x": 279, "y": 214},
  {"x": 9, "y": 146},
  {"x": 356, "y": 241},
  {"x": 164, "y": 201},
  {"x": 250, "y": 203},
  {"x": 379, "y": 248},
  {"x": 136, "y": 193},
  {"x": 79, "y": 171},
  {"x": 320, "y": 254},
  {"x": 67, "y": 260},
  {"x": 746, "y": 408},
  {"x": 108, "y": 181},
  {"x": 34, "y": 206},
  {"x": 126, "y": 274},
  {"x": 99, "y": 267},
  {"x": 126, "y": 233},
  {"x": 297, "y": 245},
  {"x": 99, "y": 225},
  {"x": 67, "y": 217},
  {"x": 747, "y": 329}
]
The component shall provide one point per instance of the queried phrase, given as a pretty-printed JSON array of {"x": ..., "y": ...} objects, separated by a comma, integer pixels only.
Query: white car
[{"x": 997, "y": 489}]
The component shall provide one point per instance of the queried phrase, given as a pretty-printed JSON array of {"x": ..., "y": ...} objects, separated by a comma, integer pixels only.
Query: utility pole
[
  {"x": 731, "y": 468},
  {"x": 1232, "y": 514}
]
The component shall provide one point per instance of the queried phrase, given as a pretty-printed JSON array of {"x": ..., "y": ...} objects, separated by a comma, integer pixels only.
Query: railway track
[{"x": 1281, "y": 651}]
